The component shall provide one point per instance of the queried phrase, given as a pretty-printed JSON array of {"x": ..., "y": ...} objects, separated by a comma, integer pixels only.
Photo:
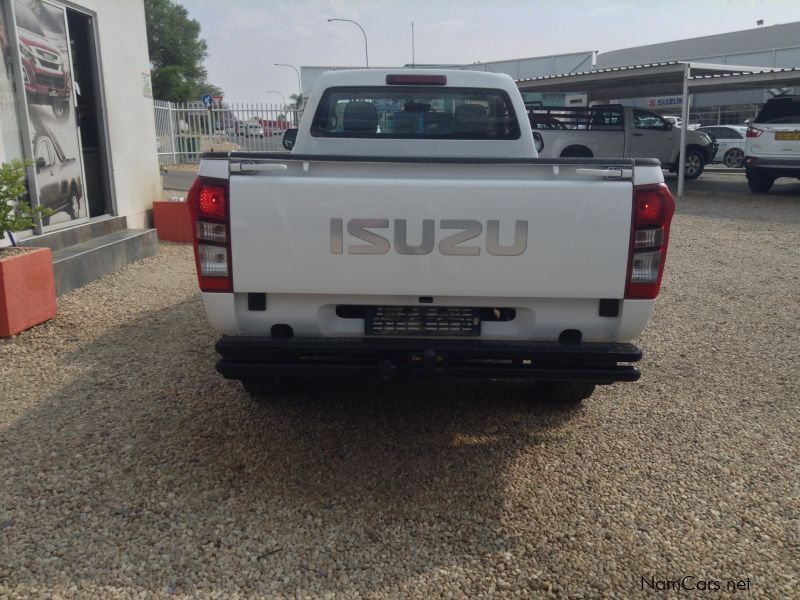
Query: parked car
[
  {"x": 251, "y": 130},
  {"x": 730, "y": 141},
  {"x": 772, "y": 149},
  {"x": 58, "y": 177},
  {"x": 613, "y": 130},
  {"x": 45, "y": 70}
]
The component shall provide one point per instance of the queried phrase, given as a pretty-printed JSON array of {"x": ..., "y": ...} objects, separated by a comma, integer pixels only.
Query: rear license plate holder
[
  {"x": 422, "y": 321},
  {"x": 787, "y": 136}
]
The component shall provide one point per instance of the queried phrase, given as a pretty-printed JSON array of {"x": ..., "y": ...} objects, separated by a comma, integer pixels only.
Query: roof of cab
[{"x": 377, "y": 77}]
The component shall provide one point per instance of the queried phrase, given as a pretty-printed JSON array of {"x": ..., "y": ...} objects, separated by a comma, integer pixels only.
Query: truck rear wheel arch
[{"x": 576, "y": 152}]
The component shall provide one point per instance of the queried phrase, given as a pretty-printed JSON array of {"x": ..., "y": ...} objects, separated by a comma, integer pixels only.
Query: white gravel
[{"x": 131, "y": 469}]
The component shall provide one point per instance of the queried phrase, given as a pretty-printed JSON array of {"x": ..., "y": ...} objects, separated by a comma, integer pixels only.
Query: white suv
[{"x": 772, "y": 149}]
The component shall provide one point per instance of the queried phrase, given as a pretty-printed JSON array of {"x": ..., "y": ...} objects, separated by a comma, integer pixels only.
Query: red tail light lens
[
  {"x": 653, "y": 208},
  {"x": 208, "y": 206},
  {"x": 211, "y": 202},
  {"x": 753, "y": 132}
]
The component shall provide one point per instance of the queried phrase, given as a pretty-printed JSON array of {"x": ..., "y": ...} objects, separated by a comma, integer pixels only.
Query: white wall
[{"x": 129, "y": 113}]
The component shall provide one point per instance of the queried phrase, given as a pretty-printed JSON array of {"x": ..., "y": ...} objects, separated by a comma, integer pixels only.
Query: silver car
[{"x": 730, "y": 140}]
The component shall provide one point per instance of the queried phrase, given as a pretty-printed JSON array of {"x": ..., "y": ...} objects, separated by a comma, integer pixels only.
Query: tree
[{"x": 176, "y": 53}]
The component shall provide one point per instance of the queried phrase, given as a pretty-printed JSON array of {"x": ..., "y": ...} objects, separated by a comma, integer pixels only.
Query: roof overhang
[
  {"x": 725, "y": 82},
  {"x": 660, "y": 79}
]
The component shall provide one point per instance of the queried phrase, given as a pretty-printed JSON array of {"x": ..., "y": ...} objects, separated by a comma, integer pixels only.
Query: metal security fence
[
  {"x": 185, "y": 131},
  {"x": 723, "y": 115},
  {"x": 712, "y": 116}
]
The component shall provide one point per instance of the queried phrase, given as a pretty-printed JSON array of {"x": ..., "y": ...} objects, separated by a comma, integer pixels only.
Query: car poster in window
[{"x": 47, "y": 76}]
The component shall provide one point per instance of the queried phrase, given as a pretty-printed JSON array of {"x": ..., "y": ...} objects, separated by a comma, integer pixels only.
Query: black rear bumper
[
  {"x": 775, "y": 167},
  {"x": 254, "y": 358}
]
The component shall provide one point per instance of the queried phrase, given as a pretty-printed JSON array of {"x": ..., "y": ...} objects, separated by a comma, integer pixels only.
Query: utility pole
[{"x": 413, "y": 58}]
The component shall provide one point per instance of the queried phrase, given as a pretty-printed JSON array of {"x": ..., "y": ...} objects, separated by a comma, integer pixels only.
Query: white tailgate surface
[{"x": 577, "y": 242}]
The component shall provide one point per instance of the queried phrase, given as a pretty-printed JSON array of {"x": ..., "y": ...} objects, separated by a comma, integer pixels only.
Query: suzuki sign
[{"x": 664, "y": 101}]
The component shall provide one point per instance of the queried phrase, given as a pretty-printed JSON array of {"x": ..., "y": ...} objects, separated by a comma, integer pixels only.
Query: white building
[{"x": 76, "y": 99}]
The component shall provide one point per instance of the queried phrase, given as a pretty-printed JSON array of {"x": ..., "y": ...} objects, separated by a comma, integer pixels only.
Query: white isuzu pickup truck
[{"x": 413, "y": 229}]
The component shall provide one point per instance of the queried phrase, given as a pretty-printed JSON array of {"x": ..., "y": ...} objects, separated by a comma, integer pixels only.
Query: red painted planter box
[
  {"x": 172, "y": 221},
  {"x": 27, "y": 290}
]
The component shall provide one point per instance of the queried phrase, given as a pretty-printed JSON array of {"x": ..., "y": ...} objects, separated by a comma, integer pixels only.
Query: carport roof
[
  {"x": 660, "y": 79},
  {"x": 665, "y": 78}
]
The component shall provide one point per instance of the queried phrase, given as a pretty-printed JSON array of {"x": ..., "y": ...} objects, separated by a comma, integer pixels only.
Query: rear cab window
[
  {"x": 409, "y": 112},
  {"x": 780, "y": 110}
]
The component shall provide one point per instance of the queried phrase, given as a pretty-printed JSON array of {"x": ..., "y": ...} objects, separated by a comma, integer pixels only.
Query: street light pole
[
  {"x": 299, "y": 83},
  {"x": 279, "y": 94},
  {"x": 366, "y": 47}
]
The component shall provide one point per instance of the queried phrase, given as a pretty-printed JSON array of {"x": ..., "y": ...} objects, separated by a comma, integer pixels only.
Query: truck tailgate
[{"x": 290, "y": 234}]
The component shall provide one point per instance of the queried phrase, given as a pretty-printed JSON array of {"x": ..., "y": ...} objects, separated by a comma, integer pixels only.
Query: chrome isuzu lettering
[{"x": 451, "y": 244}]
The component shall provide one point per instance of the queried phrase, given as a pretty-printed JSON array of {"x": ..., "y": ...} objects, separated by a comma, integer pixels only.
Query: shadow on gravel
[
  {"x": 734, "y": 186},
  {"x": 151, "y": 471},
  {"x": 771, "y": 208}
]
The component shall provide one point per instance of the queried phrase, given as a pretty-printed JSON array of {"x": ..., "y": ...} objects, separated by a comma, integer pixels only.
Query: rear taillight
[
  {"x": 653, "y": 208},
  {"x": 753, "y": 132},
  {"x": 208, "y": 205}
]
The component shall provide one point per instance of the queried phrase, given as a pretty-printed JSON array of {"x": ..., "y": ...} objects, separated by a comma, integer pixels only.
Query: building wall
[
  {"x": 774, "y": 46},
  {"x": 124, "y": 71},
  {"x": 125, "y": 64}
]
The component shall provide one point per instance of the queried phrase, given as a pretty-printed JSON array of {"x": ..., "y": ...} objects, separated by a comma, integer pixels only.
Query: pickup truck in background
[
  {"x": 413, "y": 229},
  {"x": 614, "y": 130}
]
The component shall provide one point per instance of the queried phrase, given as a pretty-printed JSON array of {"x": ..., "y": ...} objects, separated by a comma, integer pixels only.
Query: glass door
[{"x": 46, "y": 64}]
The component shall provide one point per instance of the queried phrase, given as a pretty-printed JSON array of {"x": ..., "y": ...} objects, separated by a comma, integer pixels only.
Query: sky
[{"x": 246, "y": 37}]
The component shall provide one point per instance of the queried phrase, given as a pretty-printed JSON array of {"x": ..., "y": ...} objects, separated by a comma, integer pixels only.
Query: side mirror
[
  {"x": 288, "y": 138},
  {"x": 41, "y": 163},
  {"x": 538, "y": 141}
]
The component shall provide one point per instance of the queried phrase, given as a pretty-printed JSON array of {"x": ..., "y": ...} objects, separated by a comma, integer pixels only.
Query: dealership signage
[
  {"x": 664, "y": 101},
  {"x": 575, "y": 100}
]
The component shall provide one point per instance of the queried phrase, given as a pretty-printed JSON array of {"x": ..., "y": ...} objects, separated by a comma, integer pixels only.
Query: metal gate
[{"x": 185, "y": 131}]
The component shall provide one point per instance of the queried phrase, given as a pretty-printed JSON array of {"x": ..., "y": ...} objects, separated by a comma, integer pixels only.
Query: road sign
[
  {"x": 208, "y": 100},
  {"x": 217, "y": 101}
]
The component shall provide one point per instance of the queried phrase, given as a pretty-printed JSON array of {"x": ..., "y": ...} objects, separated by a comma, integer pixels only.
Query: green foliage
[
  {"x": 15, "y": 213},
  {"x": 176, "y": 53}
]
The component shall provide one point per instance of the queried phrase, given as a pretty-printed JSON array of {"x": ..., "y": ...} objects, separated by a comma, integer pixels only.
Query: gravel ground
[{"x": 130, "y": 469}]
